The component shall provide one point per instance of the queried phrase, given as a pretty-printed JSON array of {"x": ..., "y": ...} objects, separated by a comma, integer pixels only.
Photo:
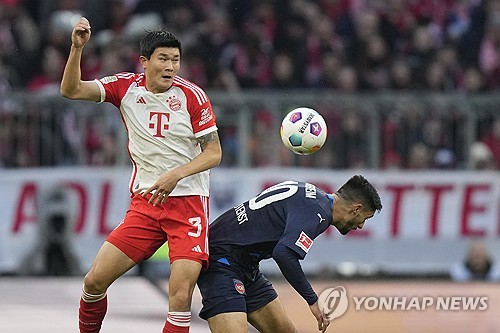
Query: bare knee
[
  {"x": 183, "y": 276},
  {"x": 93, "y": 284},
  {"x": 180, "y": 298}
]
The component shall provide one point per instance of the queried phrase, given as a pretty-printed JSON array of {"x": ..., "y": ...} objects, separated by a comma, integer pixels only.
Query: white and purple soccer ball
[{"x": 303, "y": 131}]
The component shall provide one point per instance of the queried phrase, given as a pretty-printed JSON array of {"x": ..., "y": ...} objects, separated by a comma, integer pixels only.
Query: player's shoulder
[
  {"x": 191, "y": 89},
  {"x": 124, "y": 78},
  {"x": 179, "y": 81},
  {"x": 308, "y": 194}
]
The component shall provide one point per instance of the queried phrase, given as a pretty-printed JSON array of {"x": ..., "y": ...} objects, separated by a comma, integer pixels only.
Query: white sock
[
  {"x": 178, "y": 318},
  {"x": 91, "y": 298}
]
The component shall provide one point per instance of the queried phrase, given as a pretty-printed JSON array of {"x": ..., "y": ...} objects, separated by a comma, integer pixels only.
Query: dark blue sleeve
[{"x": 288, "y": 262}]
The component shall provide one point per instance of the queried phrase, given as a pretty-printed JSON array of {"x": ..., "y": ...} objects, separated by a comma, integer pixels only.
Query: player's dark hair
[
  {"x": 158, "y": 38},
  {"x": 358, "y": 189}
]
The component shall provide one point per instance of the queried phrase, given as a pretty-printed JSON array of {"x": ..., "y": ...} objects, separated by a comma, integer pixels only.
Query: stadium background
[{"x": 409, "y": 93}]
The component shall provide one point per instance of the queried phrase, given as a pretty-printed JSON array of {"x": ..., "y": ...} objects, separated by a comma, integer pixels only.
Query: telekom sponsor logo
[{"x": 159, "y": 123}]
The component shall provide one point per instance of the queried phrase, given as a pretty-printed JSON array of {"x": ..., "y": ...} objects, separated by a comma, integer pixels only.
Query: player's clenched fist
[{"x": 81, "y": 33}]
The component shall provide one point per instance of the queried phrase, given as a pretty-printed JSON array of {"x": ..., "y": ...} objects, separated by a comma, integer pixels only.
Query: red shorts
[{"x": 183, "y": 221}]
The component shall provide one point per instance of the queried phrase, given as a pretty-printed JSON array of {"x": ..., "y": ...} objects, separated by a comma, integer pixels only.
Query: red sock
[
  {"x": 91, "y": 315},
  {"x": 177, "y": 322}
]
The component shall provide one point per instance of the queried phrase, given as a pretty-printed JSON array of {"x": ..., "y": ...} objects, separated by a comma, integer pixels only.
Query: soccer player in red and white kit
[{"x": 173, "y": 142}]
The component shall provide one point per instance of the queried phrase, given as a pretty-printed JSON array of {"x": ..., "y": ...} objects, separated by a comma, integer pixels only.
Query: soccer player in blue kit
[{"x": 279, "y": 223}]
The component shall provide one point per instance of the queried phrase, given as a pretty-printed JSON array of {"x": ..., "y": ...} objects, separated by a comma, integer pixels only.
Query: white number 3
[{"x": 196, "y": 222}]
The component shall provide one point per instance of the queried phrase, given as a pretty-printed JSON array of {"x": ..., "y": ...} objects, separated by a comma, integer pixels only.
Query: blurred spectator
[
  {"x": 322, "y": 39},
  {"x": 447, "y": 57},
  {"x": 434, "y": 79},
  {"x": 217, "y": 32},
  {"x": 19, "y": 42},
  {"x": 49, "y": 80},
  {"x": 263, "y": 127},
  {"x": 184, "y": 20},
  {"x": 347, "y": 80},
  {"x": 481, "y": 157},
  {"x": 444, "y": 159},
  {"x": 473, "y": 81},
  {"x": 421, "y": 54},
  {"x": 373, "y": 67},
  {"x": 291, "y": 37},
  {"x": 409, "y": 130},
  {"x": 477, "y": 265},
  {"x": 492, "y": 140},
  {"x": 419, "y": 157},
  {"x": 250, "y": 62},
  {"x": 400, "y": 75},
  {"x": 352, "y": 152},
  {"x": 262, "y": 21},
  {"x": 330, "y": 64},
  {"x": 4, "y": 79},
  {"x": 283, "y": 72}
]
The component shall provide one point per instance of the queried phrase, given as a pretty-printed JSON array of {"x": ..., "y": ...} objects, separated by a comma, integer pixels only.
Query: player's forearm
[
  {"x": 72, "y": 73},
  {"x": 210, "y": 157},
  {"x": 292, "y": 271}
]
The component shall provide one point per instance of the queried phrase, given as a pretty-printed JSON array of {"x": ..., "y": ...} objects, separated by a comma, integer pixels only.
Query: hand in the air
[{"x": 81, "y": 33}]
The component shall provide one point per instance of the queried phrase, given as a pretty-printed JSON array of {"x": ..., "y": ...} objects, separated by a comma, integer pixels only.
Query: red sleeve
[
  {"x": 202, "y": 118},
  {"x": 116, "y": 86},
  {"x": 199, "y": 107}
]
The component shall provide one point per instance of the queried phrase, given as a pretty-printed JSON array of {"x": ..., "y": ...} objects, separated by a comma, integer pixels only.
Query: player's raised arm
[{"x": 72, "y": 85}]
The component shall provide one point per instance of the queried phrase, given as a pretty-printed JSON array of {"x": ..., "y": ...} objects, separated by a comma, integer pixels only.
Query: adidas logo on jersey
[
  {"x": 141, "y": 100},
  {"x": 197, "y": 248}
]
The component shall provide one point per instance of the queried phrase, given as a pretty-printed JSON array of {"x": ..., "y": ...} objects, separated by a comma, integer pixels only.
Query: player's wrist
[{"x": 76, "y": 47}]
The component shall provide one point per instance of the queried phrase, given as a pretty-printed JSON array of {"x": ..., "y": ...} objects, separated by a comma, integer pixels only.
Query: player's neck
[{"x": 336, "y": 207}]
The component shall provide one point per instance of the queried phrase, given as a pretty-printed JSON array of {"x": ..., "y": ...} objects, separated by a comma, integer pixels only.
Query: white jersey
[{"x": 162, "y": 128}]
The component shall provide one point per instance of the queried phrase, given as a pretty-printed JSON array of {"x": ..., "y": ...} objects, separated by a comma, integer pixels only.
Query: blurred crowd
[{"x": 346, "y": 46}]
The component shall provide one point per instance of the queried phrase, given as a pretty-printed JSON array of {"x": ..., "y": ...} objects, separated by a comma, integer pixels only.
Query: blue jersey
[{"x": 290, "y": 213}]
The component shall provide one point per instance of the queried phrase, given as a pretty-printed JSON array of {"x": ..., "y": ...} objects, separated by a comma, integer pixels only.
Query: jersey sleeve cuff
[
  {"x": 101, "y": 89},
  {"x": 311, "y": 300},
  {"x": 206, "y": 131}
]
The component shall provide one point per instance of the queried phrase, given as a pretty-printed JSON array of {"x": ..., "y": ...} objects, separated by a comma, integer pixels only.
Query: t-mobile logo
[{"x": 159, "y": 122}]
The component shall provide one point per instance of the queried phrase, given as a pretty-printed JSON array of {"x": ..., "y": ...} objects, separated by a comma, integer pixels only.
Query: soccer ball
[{"x": 303, "y": 131}]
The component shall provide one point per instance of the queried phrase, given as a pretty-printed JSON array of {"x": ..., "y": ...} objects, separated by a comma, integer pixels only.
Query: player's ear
[
  {"x": 144, "y": 61},
  {"x": 357, "y": 208}
]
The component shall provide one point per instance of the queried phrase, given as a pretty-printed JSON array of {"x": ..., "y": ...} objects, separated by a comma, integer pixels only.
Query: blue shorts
[{"x": 224, "y": 288}]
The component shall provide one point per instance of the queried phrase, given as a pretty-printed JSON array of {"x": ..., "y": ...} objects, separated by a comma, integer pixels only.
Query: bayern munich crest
[{"x": 174, "y": 104}]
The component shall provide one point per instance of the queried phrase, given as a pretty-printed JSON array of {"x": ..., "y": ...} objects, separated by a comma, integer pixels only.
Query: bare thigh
[
  {"x": 231, "y": 322},
  {"x": 271, "y": 318},
  {"x": 109, "y": 264}
]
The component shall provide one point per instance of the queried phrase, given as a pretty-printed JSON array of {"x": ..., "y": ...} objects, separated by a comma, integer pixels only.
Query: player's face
[
  {"x": 161, "y": 68},
  {"x": 356, "y": 220}
]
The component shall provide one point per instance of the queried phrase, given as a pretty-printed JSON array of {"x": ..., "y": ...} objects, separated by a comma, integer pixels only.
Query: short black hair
[
  {"x": 358, "y": 189},
  {"x": 158, "y": 38}
]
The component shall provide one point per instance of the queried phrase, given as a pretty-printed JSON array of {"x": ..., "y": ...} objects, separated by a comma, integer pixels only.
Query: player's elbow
[
  {"x": 215, "y": 155},
  {"x": 67, "y": 93},
  {"x": 279, "y": 255},
  {"x": 218, "y": 157}
]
